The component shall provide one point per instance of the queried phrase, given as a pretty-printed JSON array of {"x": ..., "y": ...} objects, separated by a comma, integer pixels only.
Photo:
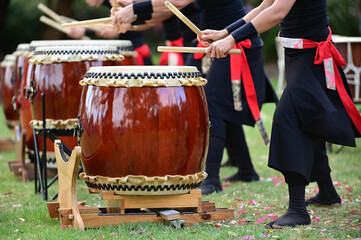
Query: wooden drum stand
[{"x": 176, "y": 209}]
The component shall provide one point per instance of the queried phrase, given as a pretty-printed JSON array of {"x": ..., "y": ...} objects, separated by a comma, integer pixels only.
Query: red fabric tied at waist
[
  {"x": 143, "y": 52},
  {"x": 328, "y": 54},
  {"x": 199, "y": 56},
  {"x": 240, "y": 71},
  {"x": 164, "y": 58}
]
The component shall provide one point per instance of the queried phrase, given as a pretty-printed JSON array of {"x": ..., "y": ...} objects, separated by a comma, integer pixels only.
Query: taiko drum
[
  {"x": 124, "y": 47},
  {"x": 144, "y": 129},
  {"x": 7, "y": 88},
  {"x": 56, "y": 72},
  {"x": 23, "y": 54}
]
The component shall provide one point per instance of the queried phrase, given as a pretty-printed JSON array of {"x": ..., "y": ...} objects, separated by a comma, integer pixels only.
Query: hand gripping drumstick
[
  {"x": 192, "y": 50},
  {"x": 115, "y": 8}
]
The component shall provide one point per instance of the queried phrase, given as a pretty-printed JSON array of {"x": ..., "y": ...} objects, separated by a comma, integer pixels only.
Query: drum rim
[
  {"x": 55, "y": 123},
  {"x": 143, "y": 76},
  {"x": 8, "y": 61},
  {"x": 144, "y": 185},
  {"x": 59, "y": 54}
]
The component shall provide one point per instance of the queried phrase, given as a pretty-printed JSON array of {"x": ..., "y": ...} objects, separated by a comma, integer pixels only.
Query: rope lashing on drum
[
  {"x": 143, "y": 75},
  {"x": 77, "y": 52},
  {"x": 148, "y": 188}
]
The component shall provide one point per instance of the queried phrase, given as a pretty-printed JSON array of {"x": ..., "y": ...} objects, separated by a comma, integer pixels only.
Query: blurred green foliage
[{"x": 22, "y": 23}]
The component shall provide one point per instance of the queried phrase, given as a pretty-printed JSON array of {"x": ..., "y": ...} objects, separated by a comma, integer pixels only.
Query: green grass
[{"x": 23, "y": 214}]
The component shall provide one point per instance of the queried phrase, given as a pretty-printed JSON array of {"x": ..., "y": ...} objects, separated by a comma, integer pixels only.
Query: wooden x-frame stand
[{"x": 177, "y": 209}]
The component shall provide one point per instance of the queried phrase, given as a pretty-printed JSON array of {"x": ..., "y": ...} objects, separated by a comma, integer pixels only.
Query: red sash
[
  {"x": 326, "y": 51},
  {"x": 164, "y": 58},
  {"x": 198, "y": 56},
  {"x": 240, "y": 71},
  {"x": 143, "y": 52}
]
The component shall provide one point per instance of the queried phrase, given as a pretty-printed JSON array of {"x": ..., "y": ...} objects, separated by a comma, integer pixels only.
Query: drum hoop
[
  {"x": 55, "y": 123},
  {"x": 12, "y": 123},
  {"x": 5, "y": 64},
  {"x": 23, "y": 49},
  {"x": 145, "y": 79},
  {"x": 8, "y": 61},
  {"x": 143, "y": 185},
  {"x": 58, "y": 54}
]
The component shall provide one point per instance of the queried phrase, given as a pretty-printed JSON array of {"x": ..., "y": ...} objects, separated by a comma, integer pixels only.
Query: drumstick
[
  {"x": 57, "y": 26},
  {"x": 50, "y": 13},
  {"x": 87, "y": 22},
  {"x": 53, "y": 24},
  {"x": 184, "y": 19},
  {"x": 192, "y": 50},
  {"x": 115, "y": 8}
]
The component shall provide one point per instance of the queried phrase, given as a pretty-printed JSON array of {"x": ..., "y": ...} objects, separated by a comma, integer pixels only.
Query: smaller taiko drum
[
  {"x": 7, "y": 86},
  {"x": 124, "y": 47},
  {"x": 144, "y": 129},
  {"x": 56, "y": 73}
]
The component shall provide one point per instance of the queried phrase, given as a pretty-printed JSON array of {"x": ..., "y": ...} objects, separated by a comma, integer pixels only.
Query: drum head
[{"x": 143, "y": 76}]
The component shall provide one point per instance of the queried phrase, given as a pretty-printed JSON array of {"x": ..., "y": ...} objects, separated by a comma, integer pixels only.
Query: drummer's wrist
[
  {"x": 237, "y": 24},
  {"x": 224, "y": 33},
  {"x": 142, "y": 7}
]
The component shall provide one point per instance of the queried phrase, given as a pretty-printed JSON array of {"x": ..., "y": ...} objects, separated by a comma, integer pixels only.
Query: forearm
[
  {"x": 256, "y": 11},
  {"x": 158, "y": 5},
  {"x": 272, "y": 15}
]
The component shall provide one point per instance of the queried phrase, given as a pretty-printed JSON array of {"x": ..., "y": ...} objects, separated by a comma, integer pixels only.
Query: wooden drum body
[
  {"x": 7, "y": 88},
  {"x": 56, "y": 72},
  {"x": 144, "y": 129}
]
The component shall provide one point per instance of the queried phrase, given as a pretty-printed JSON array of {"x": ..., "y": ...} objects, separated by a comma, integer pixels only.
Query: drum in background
[
  {"x": 144, "y": 129},
  {"x": 57, "y": 72},
  {"x": 22, "y": 53},
  {"x": 7, "y": 86},
  {"x": 350, "y": 50},
  {"x": 125, "y": 47}
]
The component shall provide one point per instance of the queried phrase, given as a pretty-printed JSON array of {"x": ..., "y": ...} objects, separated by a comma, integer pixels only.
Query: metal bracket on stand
[{"x": 40, "y": 163}]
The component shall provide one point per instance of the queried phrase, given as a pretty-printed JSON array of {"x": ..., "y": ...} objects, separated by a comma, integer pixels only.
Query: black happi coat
[
  {"x": 308, "y": 112},
  {"x": 217, "y": 15}
]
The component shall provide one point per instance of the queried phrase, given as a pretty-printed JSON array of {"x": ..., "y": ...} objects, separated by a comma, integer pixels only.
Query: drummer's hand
[
  {"x": 219, "y": 48},
  {"x": 124, "y": 27},
  {"x": 213, "y": 35},
  {"x": 108, "y": 33},
  {"x": 94, "y": 3},
  {"x": 123, "y": 15},
  {"x": 76, "y": 32}
]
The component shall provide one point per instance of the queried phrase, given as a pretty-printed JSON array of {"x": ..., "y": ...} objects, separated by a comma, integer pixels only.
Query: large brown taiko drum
[
  {"x": 56, "y": 73},
  {"x": 144, "y": 129},
  {"x": 7, "y": 88}
]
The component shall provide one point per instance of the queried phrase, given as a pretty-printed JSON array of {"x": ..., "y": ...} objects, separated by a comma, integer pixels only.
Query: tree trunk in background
[{"x": 61, "y": 7}]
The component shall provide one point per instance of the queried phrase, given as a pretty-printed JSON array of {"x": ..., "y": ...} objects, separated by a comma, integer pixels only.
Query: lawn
[{"x": 23, "y": 214}]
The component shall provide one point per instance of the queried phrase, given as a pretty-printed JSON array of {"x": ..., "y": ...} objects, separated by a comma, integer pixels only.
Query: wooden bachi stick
[
  {"x": 87, "y": 22},
  {"x": 192, "y": 50},
  {"x": 115, "y": 8},
  {"x": 57, "y": 26},
  {"x": 184, "y": 19},
  {"x": 50, "y": 13}
]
